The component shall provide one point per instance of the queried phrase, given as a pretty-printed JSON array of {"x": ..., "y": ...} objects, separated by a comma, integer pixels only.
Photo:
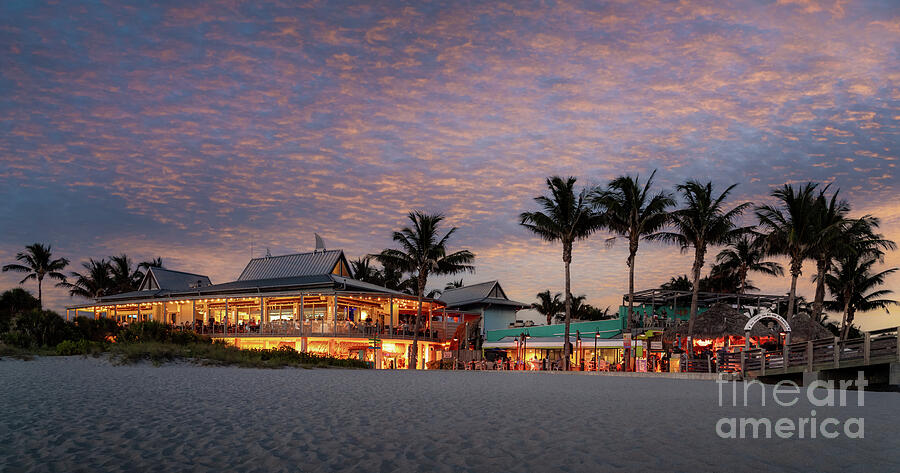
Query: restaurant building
[{"x": 307, "y": 301}]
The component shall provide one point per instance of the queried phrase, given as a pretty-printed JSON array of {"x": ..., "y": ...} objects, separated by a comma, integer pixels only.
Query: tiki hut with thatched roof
[
  {"x": 718, "y": 324},
  {"x": 804, "y": 328}
]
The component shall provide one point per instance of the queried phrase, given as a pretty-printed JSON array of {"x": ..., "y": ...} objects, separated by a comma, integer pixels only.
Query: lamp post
[
  {"x": 579, "y": 356},
  {"x": 518, "y": 350},
  {"x": 525, "y": 338},
  {"x": 456, "y": 361}
]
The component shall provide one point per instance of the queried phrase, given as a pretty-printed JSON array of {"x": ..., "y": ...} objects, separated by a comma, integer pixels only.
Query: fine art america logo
[{"x": 787, "y": 394}]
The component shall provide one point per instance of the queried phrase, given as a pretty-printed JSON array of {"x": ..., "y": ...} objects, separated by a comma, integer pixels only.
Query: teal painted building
[{"x": 488, "y": 299}]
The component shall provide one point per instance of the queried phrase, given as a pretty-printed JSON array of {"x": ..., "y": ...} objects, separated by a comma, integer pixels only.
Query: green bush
[
  {"x": 98, "y": 330},
  {"x": 152, "y": 331},
  {"x": 38, "y": 328},
  {"x": 221, "y": 354},
  {"x": 80, "y": 347}
]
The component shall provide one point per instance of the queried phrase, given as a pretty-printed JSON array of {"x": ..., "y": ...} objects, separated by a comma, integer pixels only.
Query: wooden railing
[{"x": 879, "y": 346}]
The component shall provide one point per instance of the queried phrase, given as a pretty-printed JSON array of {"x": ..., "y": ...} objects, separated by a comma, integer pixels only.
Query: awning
[{"x": 555, "y": 342}]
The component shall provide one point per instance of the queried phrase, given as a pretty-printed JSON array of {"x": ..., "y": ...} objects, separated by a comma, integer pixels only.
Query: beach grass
[{"x": 225, "y": 355}]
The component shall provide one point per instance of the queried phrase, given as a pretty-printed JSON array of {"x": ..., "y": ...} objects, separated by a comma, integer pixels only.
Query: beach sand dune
[{"x": 72, "y": 414}]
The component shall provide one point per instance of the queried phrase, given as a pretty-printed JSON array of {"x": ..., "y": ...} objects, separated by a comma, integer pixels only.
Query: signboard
[
  {"x": 448, "y": 355},
  {"x": 656, "y": 345},
  {"x": 767, "y": 314},
  {"x": 626, "y": 341},
  {"x": 375, "y": 343}
]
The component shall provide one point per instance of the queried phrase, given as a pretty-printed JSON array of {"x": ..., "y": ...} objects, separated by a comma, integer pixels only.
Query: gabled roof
[
  {"x": 162, "y": 278},
  {"x": 301, "y": 264},
  {"x": 486, "y": 293}
]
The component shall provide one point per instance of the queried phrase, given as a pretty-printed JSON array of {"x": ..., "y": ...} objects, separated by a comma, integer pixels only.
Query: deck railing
[
  {"x": 310, "y": 329},
  {"x": 879, "y": 346}
]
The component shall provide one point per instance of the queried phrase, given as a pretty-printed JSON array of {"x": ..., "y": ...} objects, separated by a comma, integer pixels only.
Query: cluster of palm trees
[
  {"x": 551, "y": 307},
  {"x": 805, "y": 224},
  {"x": 102, "y": 277}
]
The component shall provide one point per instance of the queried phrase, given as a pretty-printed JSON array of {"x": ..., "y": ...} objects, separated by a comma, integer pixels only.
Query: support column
[
  {"x": 867, "y": 345},
  {"x": 296, "y": 315},
  {"x": 302, "y": 315},
  {"x": 391, "y": 312},
  {"x": 193, "y": 315},
  {"x": 262, "y": 317},
  {"x": 837, "y": 352},
  {"x": 333, "y": 318},
  {"x": 225, "y": 319},
  {"x": 809, "y": 356}
]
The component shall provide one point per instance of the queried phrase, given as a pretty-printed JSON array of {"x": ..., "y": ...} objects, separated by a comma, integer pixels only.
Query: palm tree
[
  {"x": 564, "y": 217},
  {"x": 680, "y": 283},
  {"x": 852, "y": 282},
  {"x": 548, "y": 305},
  {"x": 364, "y": 271},
  {"x": 632, "y": 211},
  {"x": 38, "y": 263},
  {"x": 95, "y": 282},
  {"x": 422, "y": 253},
  {"x": 152, "y": 263},
  {"x": 747, "y": 255},
  {"x": 454, "y": 284},
  {"x": 701, "y": 223},
  {"x": 125, "y": 277},
  {"x": 791, "y": 227},
  {"x": 830, "y": 225}
]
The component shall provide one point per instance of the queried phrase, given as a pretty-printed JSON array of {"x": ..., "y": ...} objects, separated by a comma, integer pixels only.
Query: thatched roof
[
  {"x": 720, "y": 320},
  {"x": 804, "y": 328}
]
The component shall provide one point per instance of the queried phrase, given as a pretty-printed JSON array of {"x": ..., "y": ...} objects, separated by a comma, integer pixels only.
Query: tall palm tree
[
  {"x": 548, "y": 305},
  {"x": 422, "y": 253},
  {"x": 852, "y": 282},
  {"x": 631, "y": 210},
  {"x": 566, "y": 217},
  {"x": 747, "y": 255},
  {"x": 830, "y": 225},
  {"x": 38, "y": 263},
  {"x": 125, "y": 277},
  {"x": 701, "y": 223},
  {"x": 95, "y": 282},
  {"x": 791, "y": 227}
]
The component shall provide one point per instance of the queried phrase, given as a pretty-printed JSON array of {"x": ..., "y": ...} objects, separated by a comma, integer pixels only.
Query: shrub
[
  {"x": 80, "y": 347},
  {"x": 38, "y": 328},
  {"x": 98, "y": 330},
  {"x": 152, "y": 331}
]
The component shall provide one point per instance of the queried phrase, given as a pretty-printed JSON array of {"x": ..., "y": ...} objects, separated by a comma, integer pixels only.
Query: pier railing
[{"x": 879, "y": 346}]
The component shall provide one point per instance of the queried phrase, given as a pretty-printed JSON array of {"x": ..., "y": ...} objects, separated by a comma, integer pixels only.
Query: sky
[{"x": 202, "y": 132}]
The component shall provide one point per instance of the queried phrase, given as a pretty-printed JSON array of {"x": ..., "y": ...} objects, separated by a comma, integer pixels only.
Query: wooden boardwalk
[{"x": 874, "y": 348}]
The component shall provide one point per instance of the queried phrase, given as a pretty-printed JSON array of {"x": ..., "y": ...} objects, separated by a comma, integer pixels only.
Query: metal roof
[
  {"x": 300, "y": 264},
  {"x": 665, "y": 297},
  {"x": 488, "y": 292},
  {"x": 169, "y": 279}
]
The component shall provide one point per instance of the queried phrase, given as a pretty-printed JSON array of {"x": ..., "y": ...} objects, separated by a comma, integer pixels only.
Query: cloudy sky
[{"x": 195, "y": 132}]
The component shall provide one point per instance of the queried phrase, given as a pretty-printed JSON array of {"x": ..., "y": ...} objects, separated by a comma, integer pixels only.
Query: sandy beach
[{"x": 76, "y": 414}]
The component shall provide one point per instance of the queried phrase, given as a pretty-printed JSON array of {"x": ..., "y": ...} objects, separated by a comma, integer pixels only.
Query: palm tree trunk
[
  {"x": 40, "y": 296},
  {"x": 819, "y": 301},
  {"x": 414, "y": 352},
  {"x": 567, "y": 259},
  {"x": 845, "y": 322},
  {"x": 629, "y": 321},
  {"x": 792, "y": 296},
  {"x": 695, "y": 294}
]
